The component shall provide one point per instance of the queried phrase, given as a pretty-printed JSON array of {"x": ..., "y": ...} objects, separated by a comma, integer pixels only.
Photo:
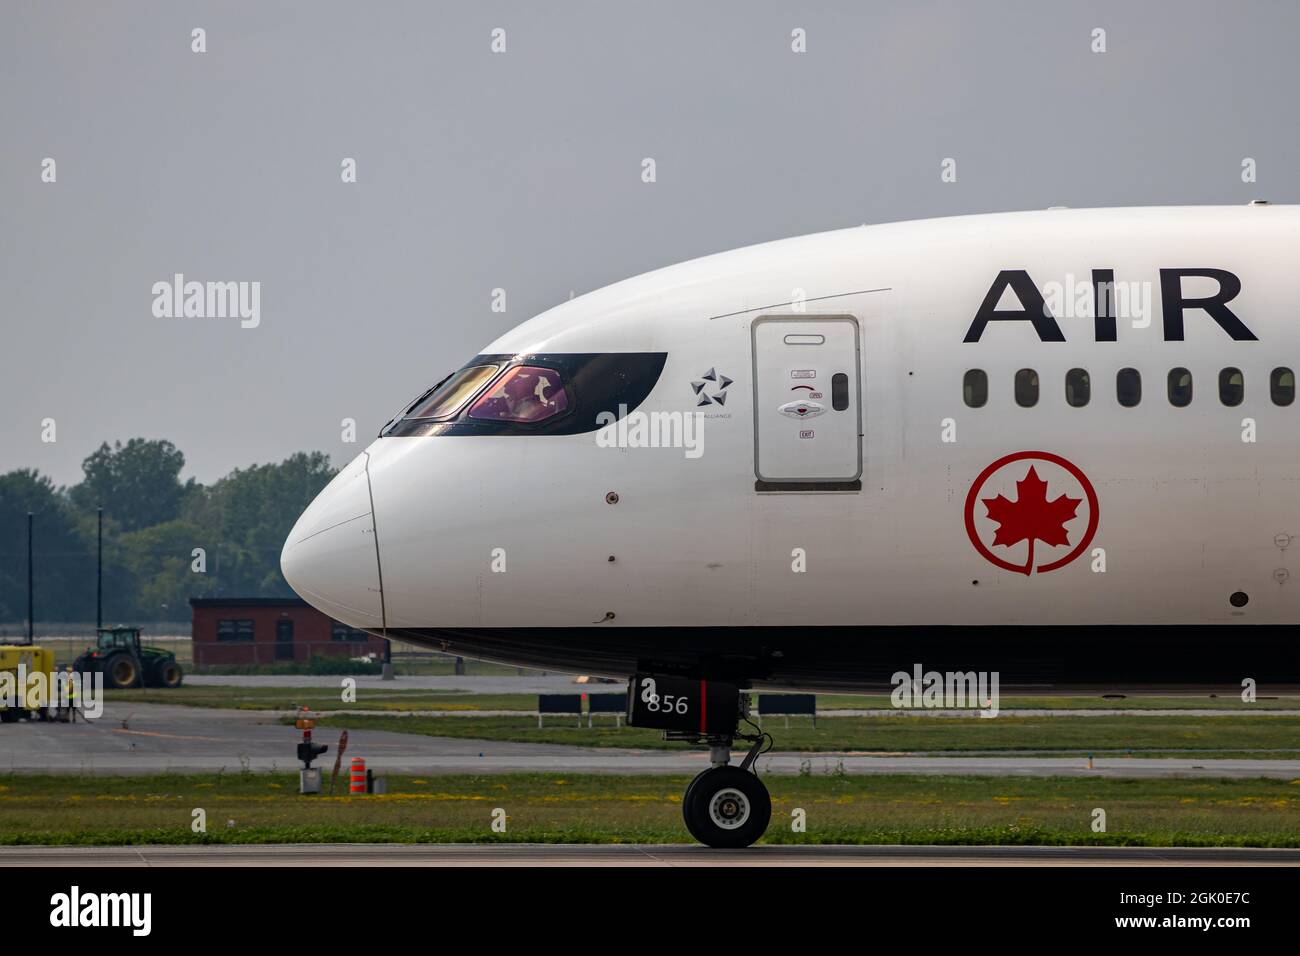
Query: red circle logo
[{"x": 1032, "y": 518}]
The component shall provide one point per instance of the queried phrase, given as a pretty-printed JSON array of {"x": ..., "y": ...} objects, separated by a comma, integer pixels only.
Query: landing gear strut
[{"x": 725, "y": 806}]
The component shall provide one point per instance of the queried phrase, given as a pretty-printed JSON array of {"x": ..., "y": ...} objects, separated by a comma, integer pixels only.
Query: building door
[
  {"x": 807, "y": 403},
  {"x": 284, "y": 640}
]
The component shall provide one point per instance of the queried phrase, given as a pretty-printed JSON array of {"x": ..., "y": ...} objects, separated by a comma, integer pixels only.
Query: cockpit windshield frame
[
  {"x": 594, "y": 384},
  {"x": 464, "y": 387}
]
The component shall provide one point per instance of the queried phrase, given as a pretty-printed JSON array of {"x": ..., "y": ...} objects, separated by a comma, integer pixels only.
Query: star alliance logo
[{"x": 701, "y": 387}]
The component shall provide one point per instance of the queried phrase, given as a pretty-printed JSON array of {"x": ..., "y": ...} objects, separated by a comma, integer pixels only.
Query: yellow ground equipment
[{"x": 23, "y": 698}]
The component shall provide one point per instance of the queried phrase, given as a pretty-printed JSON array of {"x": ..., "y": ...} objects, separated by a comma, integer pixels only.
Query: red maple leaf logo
[{"x": 1031, "y": 516}]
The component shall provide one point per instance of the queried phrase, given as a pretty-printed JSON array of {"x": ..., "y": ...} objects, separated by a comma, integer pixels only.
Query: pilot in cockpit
[{"x": 524, "y": 394}]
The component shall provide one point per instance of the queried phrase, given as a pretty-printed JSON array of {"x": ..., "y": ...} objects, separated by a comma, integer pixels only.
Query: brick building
[{"x": 271, "y": 631}]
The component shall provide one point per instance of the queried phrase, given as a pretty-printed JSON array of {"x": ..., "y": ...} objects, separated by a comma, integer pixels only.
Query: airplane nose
[{"x": 330, "y": 558}]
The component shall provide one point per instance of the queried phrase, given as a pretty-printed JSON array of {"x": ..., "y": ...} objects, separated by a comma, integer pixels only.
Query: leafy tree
[
  {"x": 64, "y": 564},
  {"x": 158, "y": 562},
  {"x": 139, "y": 482},
  {"x": 247, "y": 515},
  {"x": 152, "y": 524}
]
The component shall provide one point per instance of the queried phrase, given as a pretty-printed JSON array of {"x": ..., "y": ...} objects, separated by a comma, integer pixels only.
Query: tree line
[{"x": 153, "y": 522}]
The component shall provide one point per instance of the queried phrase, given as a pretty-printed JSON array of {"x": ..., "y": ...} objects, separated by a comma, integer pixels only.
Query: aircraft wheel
[
  {"x": 727, "y": 807},
  {"x": 686, "y": 805}
]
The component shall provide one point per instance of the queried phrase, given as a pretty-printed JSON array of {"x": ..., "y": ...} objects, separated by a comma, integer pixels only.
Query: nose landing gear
[{"x": 726, "y": 806}]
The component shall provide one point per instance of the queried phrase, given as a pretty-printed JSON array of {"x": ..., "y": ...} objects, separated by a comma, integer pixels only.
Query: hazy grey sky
[{"x": 522, "y": 171}]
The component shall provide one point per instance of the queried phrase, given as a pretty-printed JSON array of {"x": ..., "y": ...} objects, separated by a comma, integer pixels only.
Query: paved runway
[
  {"x": 155, "y": 738},
  {"x": 319, "y": 855}
]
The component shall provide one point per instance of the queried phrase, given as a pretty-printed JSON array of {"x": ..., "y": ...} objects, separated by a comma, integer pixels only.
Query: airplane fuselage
[{"x": 1062, "y": 445}]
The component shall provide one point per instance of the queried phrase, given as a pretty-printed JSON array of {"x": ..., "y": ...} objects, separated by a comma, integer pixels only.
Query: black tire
[
  {"x": 686, "y": 806},
  {"x": 167, "y": 674},
  {"x": 120, "y": 670},
  {"x": 9, "y": 715},
  {"x": 727, "y": 808}
]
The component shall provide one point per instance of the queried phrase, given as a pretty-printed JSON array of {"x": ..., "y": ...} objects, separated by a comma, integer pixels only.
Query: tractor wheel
[
  {"x": 167, "y": 674},
  {"x": 120, "y": 670}
]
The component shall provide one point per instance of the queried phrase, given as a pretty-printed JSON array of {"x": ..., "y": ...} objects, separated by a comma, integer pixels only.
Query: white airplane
[{"x": 1060, "y": 446}]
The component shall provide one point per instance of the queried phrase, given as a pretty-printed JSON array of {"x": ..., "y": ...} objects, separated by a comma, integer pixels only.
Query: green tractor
[{"x": 118, "y": 655}]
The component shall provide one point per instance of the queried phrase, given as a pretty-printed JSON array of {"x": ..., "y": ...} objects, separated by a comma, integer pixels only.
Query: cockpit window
[
  {"x": 532, "y": 393},
  {"x": 524, "y": 394},
  {"x": 446, "y": 398}
]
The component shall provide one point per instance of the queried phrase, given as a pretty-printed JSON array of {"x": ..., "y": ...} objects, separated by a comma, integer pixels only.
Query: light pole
[
  {"x": 99, "y": 574},
  {"x": 31, "y": 612}
]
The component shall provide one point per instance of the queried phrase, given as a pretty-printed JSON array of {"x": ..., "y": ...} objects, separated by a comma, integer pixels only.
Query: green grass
[
  {"x": 1192, "y": 735},
  {"x": 558, "y": 808},
  {"x": 321, "y": 698},
  {"x": 408, "y": 660},
  {"x": 328, "y": 666},
  {"x": 1261, "y": 734},
  {"x": 327, "y": 696}
]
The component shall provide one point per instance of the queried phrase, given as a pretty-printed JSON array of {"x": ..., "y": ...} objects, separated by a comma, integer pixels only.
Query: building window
[
  {"x": 1281, "y": 384},
  {"x": 234, "y": 630},
  {"x": 1026, "y": 388},
  {"x": 975, "y": 387},
  {"x": 1180, "y": 387},
  {"x": 1128, "y": 387},
  {"x": 1078, "y": 387},
  {"x": 341, "y": 632},
  {"x": 1232, "y": 386}
]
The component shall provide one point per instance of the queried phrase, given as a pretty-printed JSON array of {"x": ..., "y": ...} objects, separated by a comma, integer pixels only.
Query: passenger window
[
  {"x": 446, "y": 398},
  {"x": 1078, "y": 387},
  {"x": 975, "y": 387},
  {"x": 1232, "y": 386},
  {"x": 1180, "y": 387},
  {"x": 1128, "y": 387},
  {"x": 1281, "y": 385},
  {"x": 1026, "y": 388},
  {"x": 523, "y": 394}
]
